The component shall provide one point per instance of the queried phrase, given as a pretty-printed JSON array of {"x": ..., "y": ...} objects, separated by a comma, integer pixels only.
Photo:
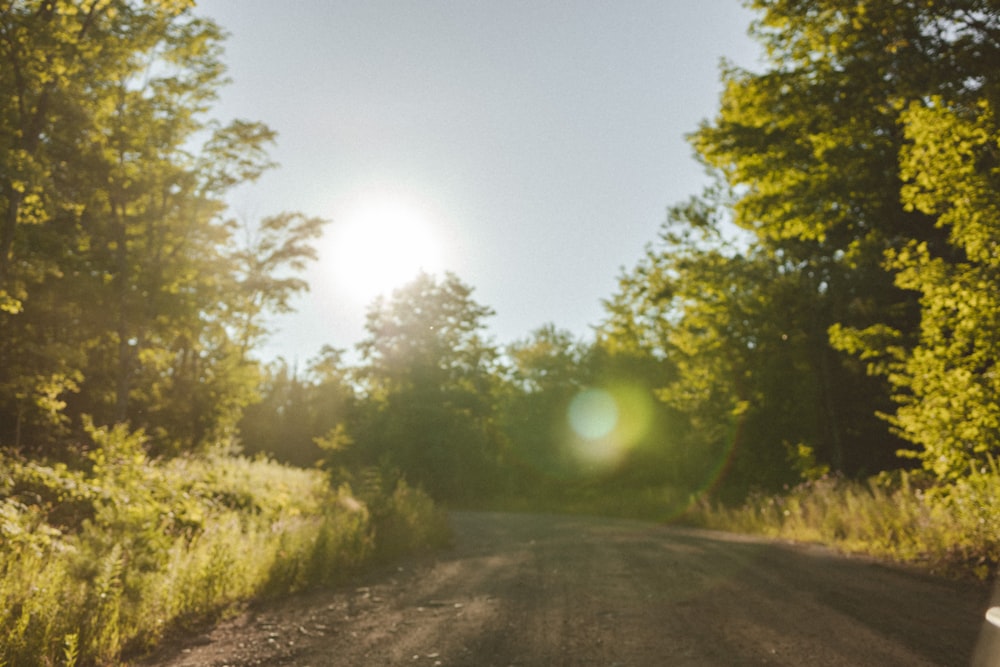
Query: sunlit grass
[
  {"x": 952, "y": 530},
  {"x": 106, "y": 560}
]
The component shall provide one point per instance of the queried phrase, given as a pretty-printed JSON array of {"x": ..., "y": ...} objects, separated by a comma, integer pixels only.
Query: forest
[{"x": 808, "y": 349}]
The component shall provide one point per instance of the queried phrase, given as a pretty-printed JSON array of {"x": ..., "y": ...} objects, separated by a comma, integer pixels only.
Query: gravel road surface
[{"x": 542, "y": 590}]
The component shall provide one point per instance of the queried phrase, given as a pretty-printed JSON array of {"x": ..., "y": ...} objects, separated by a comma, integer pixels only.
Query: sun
[{"x": 381, "y": 244}]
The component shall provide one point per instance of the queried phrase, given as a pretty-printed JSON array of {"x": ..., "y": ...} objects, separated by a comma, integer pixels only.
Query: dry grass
[{"x": 953, "y": 530}]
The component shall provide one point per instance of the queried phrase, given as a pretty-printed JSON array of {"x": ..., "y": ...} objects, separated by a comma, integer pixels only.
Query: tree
[
  {"x": 265, "y": 267},
  {"x": 549, "y": 358},
  {"x": 948, "y": 383},
  {"x": 729, "y": 325},
  {"x": 53, "y": 53},
  {"x": 115, "y": 268},
  {"x": 547, "y": 369},
  {"x": 811, "y": 148},
  {"x": 55, "y": 56},
  {"x": 296, "y": 408},
  {"x": 430, "y": 379}
]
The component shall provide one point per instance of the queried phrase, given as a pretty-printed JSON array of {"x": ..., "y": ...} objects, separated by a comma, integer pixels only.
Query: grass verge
[
  {"x": 952, "y": 529},
  {"x": 100, "y": 560}
]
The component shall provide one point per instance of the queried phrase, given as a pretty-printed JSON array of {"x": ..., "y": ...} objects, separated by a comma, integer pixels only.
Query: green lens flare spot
[{"x": 593, "y": 414}]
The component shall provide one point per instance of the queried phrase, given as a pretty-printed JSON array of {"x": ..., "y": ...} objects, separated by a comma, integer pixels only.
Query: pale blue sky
[{"x": 541, "y": 140}]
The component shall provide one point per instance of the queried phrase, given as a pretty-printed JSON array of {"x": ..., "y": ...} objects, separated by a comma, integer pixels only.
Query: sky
[{"x": 529, "y": 146}]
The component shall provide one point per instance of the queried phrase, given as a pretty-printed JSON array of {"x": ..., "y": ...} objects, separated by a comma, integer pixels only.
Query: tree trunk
[
  {"x": 123, "y": 371},
  {"x": 7, "y": 233}
]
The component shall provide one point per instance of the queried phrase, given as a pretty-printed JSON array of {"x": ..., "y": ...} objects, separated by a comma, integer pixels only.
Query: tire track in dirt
[{"x": 546, "y": 590}]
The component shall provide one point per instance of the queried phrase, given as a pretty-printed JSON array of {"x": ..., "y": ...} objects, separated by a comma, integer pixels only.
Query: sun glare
[{"x": 381, "y": 245}]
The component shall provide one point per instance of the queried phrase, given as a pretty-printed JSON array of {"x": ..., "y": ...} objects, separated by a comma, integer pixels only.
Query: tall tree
[
  {"x": 811, "y": 146},
  {"x": 729, "y": 324},
  {"x": 114, "y": 260},
  {"x": 547, "y": 369},
  {"x": 430, "y": 378},
  {"x": 266, "y": 272},
  {"x": 55, "y": 56}
]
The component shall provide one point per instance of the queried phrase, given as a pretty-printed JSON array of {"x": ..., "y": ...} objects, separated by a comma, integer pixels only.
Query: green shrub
[{"x": 407, "y": 519}]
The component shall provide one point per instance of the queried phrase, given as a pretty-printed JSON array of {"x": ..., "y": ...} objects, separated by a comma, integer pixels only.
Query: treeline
[
  {"x": 856, "y": 316},
  {"x": 549, "y": 419},
  {"x": 827, "y": 307},
  {"x": 863, "y": 164}
]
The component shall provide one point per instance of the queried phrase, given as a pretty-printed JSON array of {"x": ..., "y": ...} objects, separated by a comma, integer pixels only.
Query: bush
[{"x": 407, "y": 519}]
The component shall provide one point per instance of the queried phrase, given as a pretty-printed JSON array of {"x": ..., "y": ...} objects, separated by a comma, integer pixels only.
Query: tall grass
[
  {"x": 953, "y": 529},
  {"x": 100, "y": 560}
]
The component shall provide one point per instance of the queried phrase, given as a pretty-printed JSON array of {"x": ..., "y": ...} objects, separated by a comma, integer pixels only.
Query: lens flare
[
  {"x": 621, "y": 426},
  {"x": 593, "y": 414},
  {"x": 606, "y": 423}
]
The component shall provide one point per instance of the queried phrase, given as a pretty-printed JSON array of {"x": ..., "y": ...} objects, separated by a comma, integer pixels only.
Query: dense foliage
[
  {"x": 850, "y": 318},
  {"x": 856, "y": 315},
  {"x": 831, "y": 301},
  {"x": 125, "y": 294},
  {"x": 429, "y": 387}
]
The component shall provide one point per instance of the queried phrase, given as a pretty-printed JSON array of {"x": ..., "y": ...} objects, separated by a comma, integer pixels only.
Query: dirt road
[{"x": 537, "y": 590}]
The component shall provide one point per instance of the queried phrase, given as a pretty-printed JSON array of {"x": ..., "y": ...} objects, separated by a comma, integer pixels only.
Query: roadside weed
[{"x": 952, "y": 530}]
